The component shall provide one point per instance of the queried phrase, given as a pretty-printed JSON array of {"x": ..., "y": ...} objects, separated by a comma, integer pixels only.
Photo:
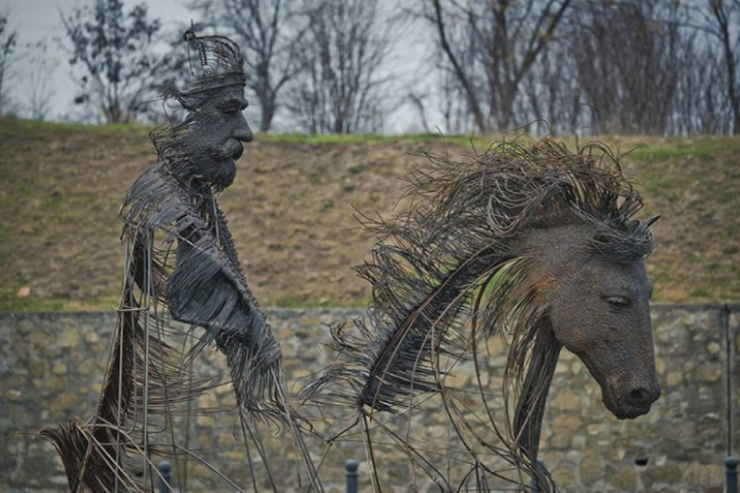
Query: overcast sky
[{"x": 39, "y": 21}]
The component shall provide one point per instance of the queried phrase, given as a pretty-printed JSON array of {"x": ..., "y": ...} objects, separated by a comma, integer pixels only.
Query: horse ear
[{"x": 650, "y": 221}]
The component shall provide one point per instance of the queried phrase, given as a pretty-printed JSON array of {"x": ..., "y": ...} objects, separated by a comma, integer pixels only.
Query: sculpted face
[
  {"x": 216, "y": 133},
  {"x": 599, "y": 310}
]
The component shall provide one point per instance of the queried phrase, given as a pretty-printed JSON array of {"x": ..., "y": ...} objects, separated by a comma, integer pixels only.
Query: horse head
[{"x": 598, "y": 308}]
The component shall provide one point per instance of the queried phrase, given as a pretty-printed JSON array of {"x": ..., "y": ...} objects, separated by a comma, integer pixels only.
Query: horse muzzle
[{"x": 631, "y": 402}]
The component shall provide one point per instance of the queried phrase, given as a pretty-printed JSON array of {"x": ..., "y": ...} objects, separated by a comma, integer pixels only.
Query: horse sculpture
[{"x": 534, "y": 246}]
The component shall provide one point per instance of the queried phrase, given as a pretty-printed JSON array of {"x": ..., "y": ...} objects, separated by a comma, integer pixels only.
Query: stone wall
[{"x": 51, "y": 367}]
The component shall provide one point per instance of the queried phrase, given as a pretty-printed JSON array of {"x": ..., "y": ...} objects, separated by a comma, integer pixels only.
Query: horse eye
[{"x": 617, "y": 301}]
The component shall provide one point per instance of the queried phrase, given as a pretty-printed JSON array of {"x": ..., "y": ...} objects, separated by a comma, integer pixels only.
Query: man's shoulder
[{"x": 156, "y": 199}]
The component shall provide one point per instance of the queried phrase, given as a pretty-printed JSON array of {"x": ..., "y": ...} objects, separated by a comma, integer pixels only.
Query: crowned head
[{"x": 206, "y": 144}]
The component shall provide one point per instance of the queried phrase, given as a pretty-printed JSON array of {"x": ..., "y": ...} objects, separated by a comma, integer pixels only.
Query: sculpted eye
[
  {"x": 231, "y": 106},
  {"x": 617, "y": 301}
]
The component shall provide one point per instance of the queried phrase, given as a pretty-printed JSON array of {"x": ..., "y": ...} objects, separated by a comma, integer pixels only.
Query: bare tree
[
  {"x": 456, "y": 112},
  {"x": 8, "y": 41},
  {"x": 114, "y": 49},
  {"x": 340, "y": 86},
  {"x": 40, "y": 88},
  {"x": 550, "y": 94},
  {"x": 649, "y": 67},
  {"x": 628, "y": 58},
  {"x": 701, "y": 104},
  {"x": 418, "y": 101},
  {"x": 490, "y": 47},
  {"x": 726, "y": 17},
  {"x": 268, "y": 38}
]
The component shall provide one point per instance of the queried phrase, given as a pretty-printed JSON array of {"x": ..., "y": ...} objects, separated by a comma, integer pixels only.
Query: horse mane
[{"x": 451, "y": 272}]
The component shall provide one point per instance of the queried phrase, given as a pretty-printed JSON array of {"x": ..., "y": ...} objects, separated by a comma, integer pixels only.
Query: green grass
[
  {"x": 76, "y": 127},
  {"x": 700, "y": 293},
  {"x": 10, "y": 302},
  {"x": 296, "y": 138},
  {"x": 5, "y": 249},
  {"x": 673, "y": 147},
  {"x": 11, "y": 128},
  {"x": 676, "y": 148},
  {"x": 480, "y": 143}
]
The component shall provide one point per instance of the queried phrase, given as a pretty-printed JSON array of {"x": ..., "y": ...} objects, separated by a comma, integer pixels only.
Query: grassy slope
[{"x": 291, "y": 211}]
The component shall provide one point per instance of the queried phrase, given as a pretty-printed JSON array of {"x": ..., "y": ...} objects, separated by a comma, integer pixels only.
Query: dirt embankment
[{"x": 291, "y": 212}]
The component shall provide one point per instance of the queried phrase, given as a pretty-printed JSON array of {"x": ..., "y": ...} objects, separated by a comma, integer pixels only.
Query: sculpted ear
[
  {"x": 650, "y": 221},
  {"x": 644, "y": 226},
  {"x": 635, "y": 230}
]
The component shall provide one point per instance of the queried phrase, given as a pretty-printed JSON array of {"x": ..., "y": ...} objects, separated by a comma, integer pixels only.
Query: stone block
[
  {"x": 563, "y": 475},
  {"x": 705, "y": 475},
  {"x": 589, "y": 470},
  {"x": 624, "y": 479},
  {"x": 69, "y": 338},
  {"x": 567, "y": 400}
]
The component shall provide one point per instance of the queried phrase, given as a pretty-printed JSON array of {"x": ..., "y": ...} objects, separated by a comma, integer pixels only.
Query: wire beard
[
  {"x": 216, "y": 171},
  {"x": 220, "y": 175}
]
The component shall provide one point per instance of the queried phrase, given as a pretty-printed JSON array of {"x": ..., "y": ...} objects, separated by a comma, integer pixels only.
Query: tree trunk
[
  {"x": 721, "y": 15},
  {"x": 268, "y": 113},
  {"x": 470, "y": 93},
  {"x": 731, "y": 82},
  {"x": 507, "y": 107}
]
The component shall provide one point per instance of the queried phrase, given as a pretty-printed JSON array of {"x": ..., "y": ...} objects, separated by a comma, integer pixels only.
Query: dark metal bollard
[
  {"x": 165, "y": 469},
  {"x": 731, "y": 475},
  {"x": 351, "y": 467}
]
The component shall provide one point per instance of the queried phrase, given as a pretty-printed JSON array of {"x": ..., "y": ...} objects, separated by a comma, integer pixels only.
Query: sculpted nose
[{"x": 243, "y": 132}]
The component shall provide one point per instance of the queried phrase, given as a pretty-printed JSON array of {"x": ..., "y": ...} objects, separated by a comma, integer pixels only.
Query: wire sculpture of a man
[{"x": 180, "y": 265}]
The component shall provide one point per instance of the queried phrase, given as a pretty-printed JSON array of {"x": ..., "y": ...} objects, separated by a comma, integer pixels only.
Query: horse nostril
[{"x": 639, "y": 397}]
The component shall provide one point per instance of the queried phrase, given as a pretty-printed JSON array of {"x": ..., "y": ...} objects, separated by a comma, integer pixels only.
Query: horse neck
[{"x": 530, "y": 408}]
